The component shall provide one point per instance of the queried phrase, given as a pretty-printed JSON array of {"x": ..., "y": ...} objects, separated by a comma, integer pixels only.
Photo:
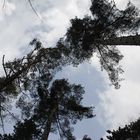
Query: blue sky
[{"x": 19, "y": 25}]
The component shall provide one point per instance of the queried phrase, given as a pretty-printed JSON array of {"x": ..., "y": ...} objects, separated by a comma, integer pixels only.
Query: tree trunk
[
  {"x": 47, "y": 128},
  {"x": 124, "y": 40}
]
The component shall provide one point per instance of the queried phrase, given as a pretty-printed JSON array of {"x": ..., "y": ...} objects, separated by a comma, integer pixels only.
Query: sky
[{"x": 113, "y": 108}]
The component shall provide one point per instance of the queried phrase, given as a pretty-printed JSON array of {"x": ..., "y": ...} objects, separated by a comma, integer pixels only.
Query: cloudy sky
[{"x": 113, "y": 108}]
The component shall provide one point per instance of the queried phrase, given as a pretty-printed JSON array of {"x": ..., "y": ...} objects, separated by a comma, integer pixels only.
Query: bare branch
[
  {"x": 10, "y": 113},
  {"x": 3, "y": 63},
  {"x": 34, "y": 10},
  {"x": 2, "y": 124}
]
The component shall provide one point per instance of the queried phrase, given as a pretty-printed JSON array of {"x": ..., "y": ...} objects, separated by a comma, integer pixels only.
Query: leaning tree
[{"x": 98, "y": 33}]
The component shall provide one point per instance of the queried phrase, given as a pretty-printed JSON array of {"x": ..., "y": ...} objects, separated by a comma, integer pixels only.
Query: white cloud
[
  {"x": 118, "y": 107},
  {"x": 19, "y": 24},
  {"x": 121, "y": 4},
  {"x": 6, "y": 9}
]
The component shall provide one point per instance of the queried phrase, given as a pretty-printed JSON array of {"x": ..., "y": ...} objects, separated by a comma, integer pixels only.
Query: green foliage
[
  {"x": 60, "y": 105},
  {"x": 86, "y": 138},
  {"x": 85, "y": 35},
  {"x": 129, "y": 132}
]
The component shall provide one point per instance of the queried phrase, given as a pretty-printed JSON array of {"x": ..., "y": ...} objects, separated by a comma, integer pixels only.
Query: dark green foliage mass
[
  {"x": 86, "y": 138},
  {"x": 23, "y": 131},
  {"x": 129, "y": 132},
  {"x": 57, "y": 108},
  {"x": 86, "y": 35}
]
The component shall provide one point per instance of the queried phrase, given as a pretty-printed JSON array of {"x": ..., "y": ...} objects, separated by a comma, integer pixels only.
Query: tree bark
[
  {"x": 48, "y": 125},
  {"x": 124, "y": 40}
]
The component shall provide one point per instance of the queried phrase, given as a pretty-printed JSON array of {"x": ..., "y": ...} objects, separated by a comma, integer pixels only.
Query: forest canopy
[{"x": 52, "y": 105}]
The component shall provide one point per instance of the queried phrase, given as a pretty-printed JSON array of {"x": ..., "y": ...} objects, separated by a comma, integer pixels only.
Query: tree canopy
[{"x": 129, "y": 132}]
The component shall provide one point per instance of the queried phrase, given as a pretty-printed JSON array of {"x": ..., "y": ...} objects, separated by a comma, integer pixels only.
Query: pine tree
[
  {"x": 129, "y": 132},
  {"x": 54, "y": 110},
  {"x": 102, "y": 31}
]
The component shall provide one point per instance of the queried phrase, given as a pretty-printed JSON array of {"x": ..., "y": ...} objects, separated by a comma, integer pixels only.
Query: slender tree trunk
[
  {"x": 47, "y": 128},
  {"x": 124, "y": 40}
]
